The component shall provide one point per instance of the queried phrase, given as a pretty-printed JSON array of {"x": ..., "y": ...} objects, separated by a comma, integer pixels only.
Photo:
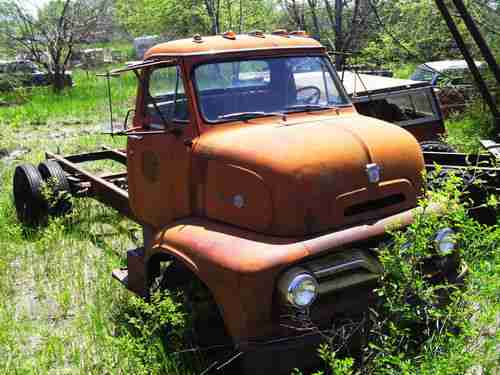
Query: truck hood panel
[{"x": 294, "y": 179}]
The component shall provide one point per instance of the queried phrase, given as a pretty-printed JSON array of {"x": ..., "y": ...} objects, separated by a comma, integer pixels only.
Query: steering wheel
[{"x": 308, "y": 95}]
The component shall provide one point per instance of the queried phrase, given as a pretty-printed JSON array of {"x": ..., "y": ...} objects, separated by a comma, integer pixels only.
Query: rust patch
[{"x": 150, "y": 166}]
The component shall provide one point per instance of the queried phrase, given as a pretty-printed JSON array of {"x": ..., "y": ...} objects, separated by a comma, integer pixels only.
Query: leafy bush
[
  {"x": 425, "y": 324},
  {"x": 464, "y": 130},
  {"x": 151, "y": 331}
]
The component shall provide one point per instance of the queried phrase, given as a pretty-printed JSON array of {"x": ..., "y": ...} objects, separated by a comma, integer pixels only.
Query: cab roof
[{"x": 224, "y": 44}]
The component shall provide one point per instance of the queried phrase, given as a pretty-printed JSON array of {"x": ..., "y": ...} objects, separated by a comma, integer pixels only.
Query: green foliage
[
  {"x": 403, "y": 71},
  {"x": 429, "y": 325},
  {"x": 48, "y": 33},
  {"x": 173, "y": 18},
  {"x": 464, "y": 130},
  {"x": 151, "y": 318},
  {"x": 150, "y": 331},
  {"x": 184, "y": 18},
  {"x": 411, "y": 29},
  {"x": 333, "y": 364}
]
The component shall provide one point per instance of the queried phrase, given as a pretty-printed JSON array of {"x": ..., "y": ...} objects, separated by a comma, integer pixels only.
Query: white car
[{"x": 447, "y": 72}]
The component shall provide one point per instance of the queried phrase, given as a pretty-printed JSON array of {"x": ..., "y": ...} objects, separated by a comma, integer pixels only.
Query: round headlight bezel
[
  {"x": 444, "y": 241},
  {"x": 291, "y": 284}
]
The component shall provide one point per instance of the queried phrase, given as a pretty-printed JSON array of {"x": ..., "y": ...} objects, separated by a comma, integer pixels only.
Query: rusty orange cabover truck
[{"x": 251, "y": 172}]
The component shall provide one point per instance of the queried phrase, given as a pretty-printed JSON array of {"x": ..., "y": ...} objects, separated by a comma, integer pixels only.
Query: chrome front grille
[{"x": 344, "y": 269}]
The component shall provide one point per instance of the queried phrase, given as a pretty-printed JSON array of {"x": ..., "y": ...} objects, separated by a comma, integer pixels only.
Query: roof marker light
[
  {"x": 257, "y": 34},
  {"x": 300, "y": 33},
  {"x": 280, "y": 32},
  {"x": 229, "y": 35},
  {"x": 197, "y": 38}
]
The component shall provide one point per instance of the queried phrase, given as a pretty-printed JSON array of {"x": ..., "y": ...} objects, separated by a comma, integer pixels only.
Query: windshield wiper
[
  {"x": 248, "y": 115},
  {"x": 160, "y": 113},
  {"x": 307, "y": 107}
]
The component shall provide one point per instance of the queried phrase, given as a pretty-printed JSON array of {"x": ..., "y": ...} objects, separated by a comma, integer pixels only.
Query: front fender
[{"x": 240, "y": 267}]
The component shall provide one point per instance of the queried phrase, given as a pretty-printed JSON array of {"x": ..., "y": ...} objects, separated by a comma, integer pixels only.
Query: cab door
[{"x": 159, "y": 160}]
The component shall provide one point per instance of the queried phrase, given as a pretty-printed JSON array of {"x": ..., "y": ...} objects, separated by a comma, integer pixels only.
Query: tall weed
[{"x": 429, "y": 325}]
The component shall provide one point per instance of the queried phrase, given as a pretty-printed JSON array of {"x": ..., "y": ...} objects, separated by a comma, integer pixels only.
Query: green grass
[
  {"x": 465, "y": 130},
  {"x": 61, "y": 312},
  {"x": 86, "y": 102}
]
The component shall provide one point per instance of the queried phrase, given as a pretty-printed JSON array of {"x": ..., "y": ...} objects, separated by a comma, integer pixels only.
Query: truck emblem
[
  {"x": 239, "y": 201},
  {"x": 373, "y": 172}
]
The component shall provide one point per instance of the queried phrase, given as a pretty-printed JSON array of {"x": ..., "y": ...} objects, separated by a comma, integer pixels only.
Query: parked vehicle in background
[
  {"x": 445, "y": 72},
  {"x": 412, "y": 105},
  {"x": 453, "y": 79},
  {"x": 25, "y": 73}
]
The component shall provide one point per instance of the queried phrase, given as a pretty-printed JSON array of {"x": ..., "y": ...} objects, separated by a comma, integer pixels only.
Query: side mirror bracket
[{"x": 125, "y": 121}]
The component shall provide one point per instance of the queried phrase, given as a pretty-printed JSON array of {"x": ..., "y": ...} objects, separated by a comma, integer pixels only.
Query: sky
[{"x": 33, "y": 5}]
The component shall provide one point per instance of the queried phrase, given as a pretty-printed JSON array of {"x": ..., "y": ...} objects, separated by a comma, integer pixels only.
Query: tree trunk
[
  {"x": 295, "y": 13},
  {"x": 241, "y": 17},
  {"x": 359, "y": 18},
  {"x": 338, "y": 33},
  {"x": 58, "y": 82},
  {"x": 229, "y": 14},
  {"x": 329, "y": 12},
  {"x": 212, "y": 7},
  {"x": 314, "y": 15}
]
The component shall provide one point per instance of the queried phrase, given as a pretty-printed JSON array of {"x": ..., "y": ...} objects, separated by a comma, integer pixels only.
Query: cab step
[{"x": 133, "y": 277}]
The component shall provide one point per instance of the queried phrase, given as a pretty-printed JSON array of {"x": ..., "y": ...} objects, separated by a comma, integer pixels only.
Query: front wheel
[{"x": 205, "y": 337}]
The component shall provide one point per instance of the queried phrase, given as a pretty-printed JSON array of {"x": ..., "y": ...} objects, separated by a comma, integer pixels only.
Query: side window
[
  {"x": 409, "y": 106},
  {"x": 422, "y": 103},
  {"x": 166, "y": 100}
]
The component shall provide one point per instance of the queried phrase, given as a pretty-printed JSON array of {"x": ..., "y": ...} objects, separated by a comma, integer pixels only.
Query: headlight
[
  {"x": 298, "y": 287},
  {"x": 445, "y": 241}
]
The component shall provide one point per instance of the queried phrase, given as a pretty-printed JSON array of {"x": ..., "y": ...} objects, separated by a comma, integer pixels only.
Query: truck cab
[
  {"x": 235, "y": 138},
  {"x": 251, "y": 171}
]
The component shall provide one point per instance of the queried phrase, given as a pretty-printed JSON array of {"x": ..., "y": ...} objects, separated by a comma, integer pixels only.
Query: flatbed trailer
[{"x": 111, "y": 188}]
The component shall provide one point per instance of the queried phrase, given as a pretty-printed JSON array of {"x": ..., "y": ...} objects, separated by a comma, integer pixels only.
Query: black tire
[
  {"x": 436, "y": 146},
  {"x": 53, "y": 174},
  {"x": 31, "y": 207}
]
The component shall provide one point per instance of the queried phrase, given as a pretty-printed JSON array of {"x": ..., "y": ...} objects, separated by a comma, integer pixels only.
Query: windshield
[{"x": 260, "y": 87}]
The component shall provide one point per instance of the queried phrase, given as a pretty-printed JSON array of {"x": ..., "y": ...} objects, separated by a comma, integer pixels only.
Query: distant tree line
[
  {"x": 380, "y": 30},
  {"x": 377, "y": 31}
]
